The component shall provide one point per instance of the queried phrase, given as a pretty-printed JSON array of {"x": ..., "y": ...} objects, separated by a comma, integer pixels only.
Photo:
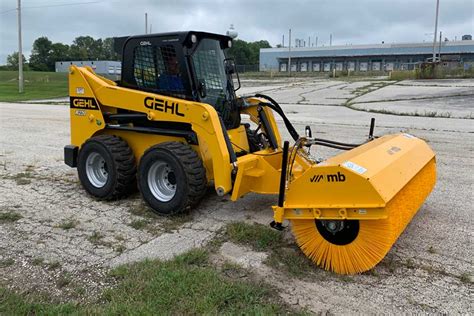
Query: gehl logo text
[
  {"x": 162, "y": 106},
  {"x": 83, "y": 103},
  {"x": 338, "y": 177}
]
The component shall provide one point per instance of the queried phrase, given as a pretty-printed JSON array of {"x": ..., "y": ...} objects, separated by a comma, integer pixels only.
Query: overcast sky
[{"x": 350, "y": 21}]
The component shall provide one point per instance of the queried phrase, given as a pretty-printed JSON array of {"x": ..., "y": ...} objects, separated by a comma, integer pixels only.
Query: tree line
[{"x": 45, "y": 53}]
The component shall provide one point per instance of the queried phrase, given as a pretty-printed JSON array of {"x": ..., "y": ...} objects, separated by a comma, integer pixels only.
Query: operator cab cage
[{"x": 187, "y": 65}]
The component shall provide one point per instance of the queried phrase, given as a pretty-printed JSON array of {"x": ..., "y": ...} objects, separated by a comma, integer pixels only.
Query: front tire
[
  {"x": 171, "y": 178},
  {"x": 106, "y": 167}
]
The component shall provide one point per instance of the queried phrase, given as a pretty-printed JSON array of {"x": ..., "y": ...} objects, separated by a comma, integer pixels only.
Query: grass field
[{"x": 38, "y": 85}]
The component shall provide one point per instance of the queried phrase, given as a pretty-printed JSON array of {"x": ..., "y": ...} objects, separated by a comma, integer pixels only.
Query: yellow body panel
[
  {"x": 238, "y": 138},
  {"x": 204, "y": 119}
]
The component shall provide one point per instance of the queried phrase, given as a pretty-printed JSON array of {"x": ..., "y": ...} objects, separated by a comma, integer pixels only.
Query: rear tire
[
  {"x": 106, "y": 167},
  {"x": 171, "y": 178}
]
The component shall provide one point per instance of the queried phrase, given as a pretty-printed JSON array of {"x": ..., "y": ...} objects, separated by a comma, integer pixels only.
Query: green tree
[
  {"x": 86, "y": 48},
  {"x": 247, "y": 53},
  {"x": 40, "y": 55},
  {"x": 108, "y": 52},
  {"x": 59, "y": 52},
  {"x": 12, "y": 60}
]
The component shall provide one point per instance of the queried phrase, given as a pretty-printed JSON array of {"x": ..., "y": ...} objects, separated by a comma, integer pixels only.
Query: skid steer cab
[{"x": 173, "y": 126}]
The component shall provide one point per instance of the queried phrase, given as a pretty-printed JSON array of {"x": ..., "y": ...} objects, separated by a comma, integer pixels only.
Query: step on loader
[{"x": 173, "y": 125}]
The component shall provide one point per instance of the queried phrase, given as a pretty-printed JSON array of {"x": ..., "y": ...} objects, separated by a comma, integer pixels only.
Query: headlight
[
  {"x": 229, "y": 44},
  {"x": 193, "y": 38}
]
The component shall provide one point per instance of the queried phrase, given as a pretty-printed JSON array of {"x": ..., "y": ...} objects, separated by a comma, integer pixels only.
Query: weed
[
  {"x": 68, "y": 224},
  {"x": 174, "y": 222},
  {"x": 53, "y": 265},
  {"x": 431, "y": 249},
  {"x": 292, "y": 261},
  {"x": 258, "y": 236},
  {"x": 95, "y": 238},
  {"x": 142, "y": 210},
  {"x": 120, "y": 248},
  {"x": 38, "y": 261},
  {"x": 138, "y": 224},
  {"x": 63, "y": 280},
  {"x": 410, "y": 264},
  {"x": 9, "y": 217},
  {"x": 465, "y": 277},
  {"x": 6, "y": 262},
  {"x": 80, "y": 290}
]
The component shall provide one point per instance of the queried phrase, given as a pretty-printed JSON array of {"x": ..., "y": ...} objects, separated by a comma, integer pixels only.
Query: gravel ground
[{"x": 61, "y": 241}]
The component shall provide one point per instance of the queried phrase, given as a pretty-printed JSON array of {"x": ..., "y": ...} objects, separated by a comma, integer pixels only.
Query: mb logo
[{"x": 338, "y": 177}]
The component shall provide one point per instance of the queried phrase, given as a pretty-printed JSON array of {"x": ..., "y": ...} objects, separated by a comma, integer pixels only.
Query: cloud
[{"x": 350, "y": 22}]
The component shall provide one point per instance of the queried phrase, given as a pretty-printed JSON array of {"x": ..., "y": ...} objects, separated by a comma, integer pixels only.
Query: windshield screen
[{"x": 208, "y": 60}]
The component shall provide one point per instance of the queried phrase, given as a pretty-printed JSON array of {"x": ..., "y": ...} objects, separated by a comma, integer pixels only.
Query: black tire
[
  {"x": 185, "y": 171},
  {"x": 119, "y": 164}
]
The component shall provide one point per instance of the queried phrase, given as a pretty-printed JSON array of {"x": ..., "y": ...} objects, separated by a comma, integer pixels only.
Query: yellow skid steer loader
[{"x": 173, "y": 125}]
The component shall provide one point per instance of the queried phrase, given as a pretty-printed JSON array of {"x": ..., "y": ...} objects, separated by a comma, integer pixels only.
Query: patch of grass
[
  {"x": 9, "y": 216},
  {"x": 38, "y": 85},
  {"x": 185, "y": 285},
  {"x": 172, "y": 223},
  {"x": 120, "y": 248},
  {"x": 139, "y": 224},
  {"x": 292, "y": 261},
  {"x": 63, "y": 280},
  {"x": 410, "y": 264},
  {"x": 68, "y": 224},
  {"x": 53, "y": 265},
  {"x": 465, "y": 277},
  {"x": 38, "y": 261},
  {"x": 6, "y": 262},
  {"x": 95, "y": 238},
  {"x": 258, "y": 236}
]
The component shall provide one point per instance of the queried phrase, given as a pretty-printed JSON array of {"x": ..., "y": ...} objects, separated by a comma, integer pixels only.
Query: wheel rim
[
  {"x": 97, "y": 170},
  {"x": 162, "y": 181}
]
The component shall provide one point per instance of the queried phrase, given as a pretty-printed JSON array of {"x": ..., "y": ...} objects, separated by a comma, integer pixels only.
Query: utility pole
[
  {"x": 20, "y": 51},
  {"x": 440, "y": 40},
  {"x": 289, "y": 53},
  {"x": 330, "y": 39},
  {"x": 309, "y": 41},
  {"x": 316, "y": 44},
  {"x": 151, "y": 27},
  {"x": 436, "y": 30},
  {"x": 146, "y": 23},
  {"x": 283, "y": 41}
]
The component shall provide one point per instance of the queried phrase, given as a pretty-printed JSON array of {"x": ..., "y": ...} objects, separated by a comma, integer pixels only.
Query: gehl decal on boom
[
  {"x": 83, "y": 103},
  {"x": 162, "y": 106}
]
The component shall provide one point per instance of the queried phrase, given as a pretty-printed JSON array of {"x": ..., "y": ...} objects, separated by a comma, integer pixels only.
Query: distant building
[
  {"x": 467, "y": 37},
  {"x": 380, "y": 57},
  {"x": 103, "y": 67}
]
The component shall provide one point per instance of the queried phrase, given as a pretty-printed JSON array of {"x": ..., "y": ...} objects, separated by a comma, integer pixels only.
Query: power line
[{"x": 52, "y": 5}]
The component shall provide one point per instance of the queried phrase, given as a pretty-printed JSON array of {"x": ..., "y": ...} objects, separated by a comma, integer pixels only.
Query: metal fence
[{"x": 247, "y": 68}]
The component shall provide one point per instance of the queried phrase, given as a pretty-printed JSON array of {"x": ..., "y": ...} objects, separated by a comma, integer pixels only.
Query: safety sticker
[
  {"x": 354, "y": 167},
  {"x": 80, "y": 90}
]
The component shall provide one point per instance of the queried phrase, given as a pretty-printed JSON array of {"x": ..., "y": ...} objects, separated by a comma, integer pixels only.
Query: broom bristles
[{"x": 375, "y": 237}]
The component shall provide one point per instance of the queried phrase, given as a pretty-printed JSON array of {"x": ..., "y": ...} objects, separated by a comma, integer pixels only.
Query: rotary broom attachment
[{"x": 348, "y": 211}]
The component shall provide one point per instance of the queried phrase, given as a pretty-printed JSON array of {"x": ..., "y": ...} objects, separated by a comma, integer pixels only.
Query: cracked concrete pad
[
  {"x": 406, "y": 92},
  {"x": 242, "y": 256},
  {"x": 165, "y": 247},
  {"x": 436, "y": 244}
]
